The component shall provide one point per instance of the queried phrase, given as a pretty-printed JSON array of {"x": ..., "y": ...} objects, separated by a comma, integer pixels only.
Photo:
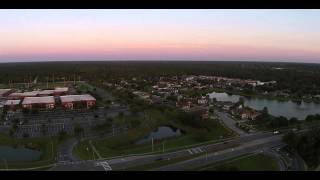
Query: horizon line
[{"x": 182, "y": 60}]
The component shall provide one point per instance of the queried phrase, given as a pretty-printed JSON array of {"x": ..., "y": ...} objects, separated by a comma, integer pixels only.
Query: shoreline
[{"x": 295, "y": 100}]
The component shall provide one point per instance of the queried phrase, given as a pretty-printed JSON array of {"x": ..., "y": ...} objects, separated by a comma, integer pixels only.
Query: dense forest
[
  {"x": 306, "y": 145},
  {"x": 296, "y": 77}
]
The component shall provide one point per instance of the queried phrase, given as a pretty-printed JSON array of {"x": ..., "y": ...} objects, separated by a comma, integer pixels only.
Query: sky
[{"x": 197, "y": 35}]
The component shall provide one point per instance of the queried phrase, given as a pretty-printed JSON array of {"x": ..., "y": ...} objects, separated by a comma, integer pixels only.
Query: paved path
[
  {"x": 65, "y": 150},
  {"x": 95, "y": 150},
  {"x": 281, "y": 162},
  {"x": 230, "y": 123}
]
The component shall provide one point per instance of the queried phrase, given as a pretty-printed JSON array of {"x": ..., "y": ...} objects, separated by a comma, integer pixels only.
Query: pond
[
  {"x": 287, "y": 109},
  {"x": 11, "y": 154},
  {"x": 161, "y": 132}
]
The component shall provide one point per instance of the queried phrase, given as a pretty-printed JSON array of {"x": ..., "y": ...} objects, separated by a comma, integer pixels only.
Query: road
[
  {"x": 230, "y": 123},
  {"x": 122, "y": 163},
  {"x": 65, "y": 150},
  {"x": 251, "y": 147},
  {"x": 281, "y": 162}
]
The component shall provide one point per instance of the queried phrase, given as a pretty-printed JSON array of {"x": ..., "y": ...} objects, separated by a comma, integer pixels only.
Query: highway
[
  {"x": 123, "y": 163},
  {"x": 251, "y": 143},
  {"x": 255, "y": 146}
]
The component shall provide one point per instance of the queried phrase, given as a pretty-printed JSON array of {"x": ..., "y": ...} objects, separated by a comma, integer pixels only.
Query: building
[
  {"x": 203, "y": 101},
  {"x": 19, "y": 95},
  {"x": 59, "y": 91},
  {"x": 5, "y": 92},
  {"x": 54, "y": 92},
  {"x": 201, "y": 110},
  {"x": 46, "y": 93},
  {"x": 142, "y": 95},
  {"x": 11, "y": 105},
  {"x": 45, "y": 102},
  {"x": 77, "y": 101},
  {"x": 249, "y": 114}
]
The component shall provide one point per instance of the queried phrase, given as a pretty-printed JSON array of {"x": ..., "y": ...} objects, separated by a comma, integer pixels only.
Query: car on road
[{"x": 276, "y": 132}]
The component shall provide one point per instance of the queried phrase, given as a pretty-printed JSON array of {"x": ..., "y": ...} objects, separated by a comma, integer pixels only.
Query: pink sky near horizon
[{"x": 186, "y": 39}]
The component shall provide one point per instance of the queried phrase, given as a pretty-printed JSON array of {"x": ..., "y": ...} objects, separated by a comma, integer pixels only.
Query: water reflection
[
  {"x": 11, "y": 154},
  {"x": 287, "y": 109},
  {"x": 160, "y": 133}
]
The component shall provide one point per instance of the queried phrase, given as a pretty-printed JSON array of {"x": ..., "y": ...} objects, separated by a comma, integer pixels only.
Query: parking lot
[{"x": 52, "y": 123}]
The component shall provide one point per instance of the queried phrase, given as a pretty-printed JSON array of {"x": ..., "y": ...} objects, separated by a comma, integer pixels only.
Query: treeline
[
  {"x": 268, "y": 121},
  {"x": 298, "y": 78},
  {"x": 306, "y": 145}
]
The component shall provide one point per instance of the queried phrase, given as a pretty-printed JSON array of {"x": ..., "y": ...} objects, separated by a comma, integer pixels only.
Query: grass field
[
  {"x": 124, "y": 144},
  {"x": 161, "y": 163},
  {"x": 251, "y": 162}
]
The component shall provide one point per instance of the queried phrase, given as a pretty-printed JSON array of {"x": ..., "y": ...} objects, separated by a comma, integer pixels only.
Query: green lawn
[
  {"x": 161, "y": 163},
  {"x": 3, "y": 86},
  {"x": 125, "y": 144},
  {"x": 257, "y": 162},
  {"x": 51, "y": 85},
  {"x": 152, "y": 118},
  {"x": 48, "y": 147}
]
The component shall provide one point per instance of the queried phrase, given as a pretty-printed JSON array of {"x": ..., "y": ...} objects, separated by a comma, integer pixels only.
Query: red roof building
[
  {"x": 5, "y": 92},
  {"x": 11, "y": 105},
  {"x": 77, "y": 101},
  {"x": 46, "y": 102}
]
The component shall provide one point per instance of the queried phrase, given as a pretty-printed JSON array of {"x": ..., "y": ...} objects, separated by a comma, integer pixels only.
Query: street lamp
[
  {"x": 152, "y": 143},
  {"x": 206, "y": 155},
  {"x": 163, "y": 146}
]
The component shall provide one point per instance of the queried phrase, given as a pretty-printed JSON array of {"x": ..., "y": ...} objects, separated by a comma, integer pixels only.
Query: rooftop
[
  {"x": 25, "y": 94},
  {"x": 72, "y": 98},
  {"x": 3, "y": 91},
  {"x": 61, "y": 89},
  {"x": 12, "y": 102},
  {"x": 46, "y": 92},
  {"x": 38, "y": 100}
]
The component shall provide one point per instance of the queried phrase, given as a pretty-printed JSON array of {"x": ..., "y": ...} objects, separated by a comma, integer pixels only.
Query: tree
[
  {"x": 134, "y": 109},
  {"x": 44, "y": 129},
  {"x": 265, "y": 111},
  {"x": 109, "y": 119},
  {"x": 62, "y": 134},
  {"x": 241, "y": 101},
  {"x": 293, "y": 120},
  {"x": 211, "y": 110},
  {"x": 11, "y": 132},
  {"x": 78, "y": 130},
  {"x": 25, "y": 135},
  {"x": 120, "y": 114},
  {"x": 291, "y": 139},
  {"x": 34, "y": 111},
  {"x": 135, "y": 123},
  {"x": 25, "y": 111},
  {"x": 307, "y": 145}
]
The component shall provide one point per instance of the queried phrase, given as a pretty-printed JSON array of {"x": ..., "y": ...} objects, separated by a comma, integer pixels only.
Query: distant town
[{"x": 102, "y": 123}]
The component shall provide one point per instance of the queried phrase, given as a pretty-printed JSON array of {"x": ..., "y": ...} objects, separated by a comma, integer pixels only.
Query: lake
[
  {"x": 287, "y": 109},
  {"x": 161, "y": 132},
  {"x": 11, "y": 154}
]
